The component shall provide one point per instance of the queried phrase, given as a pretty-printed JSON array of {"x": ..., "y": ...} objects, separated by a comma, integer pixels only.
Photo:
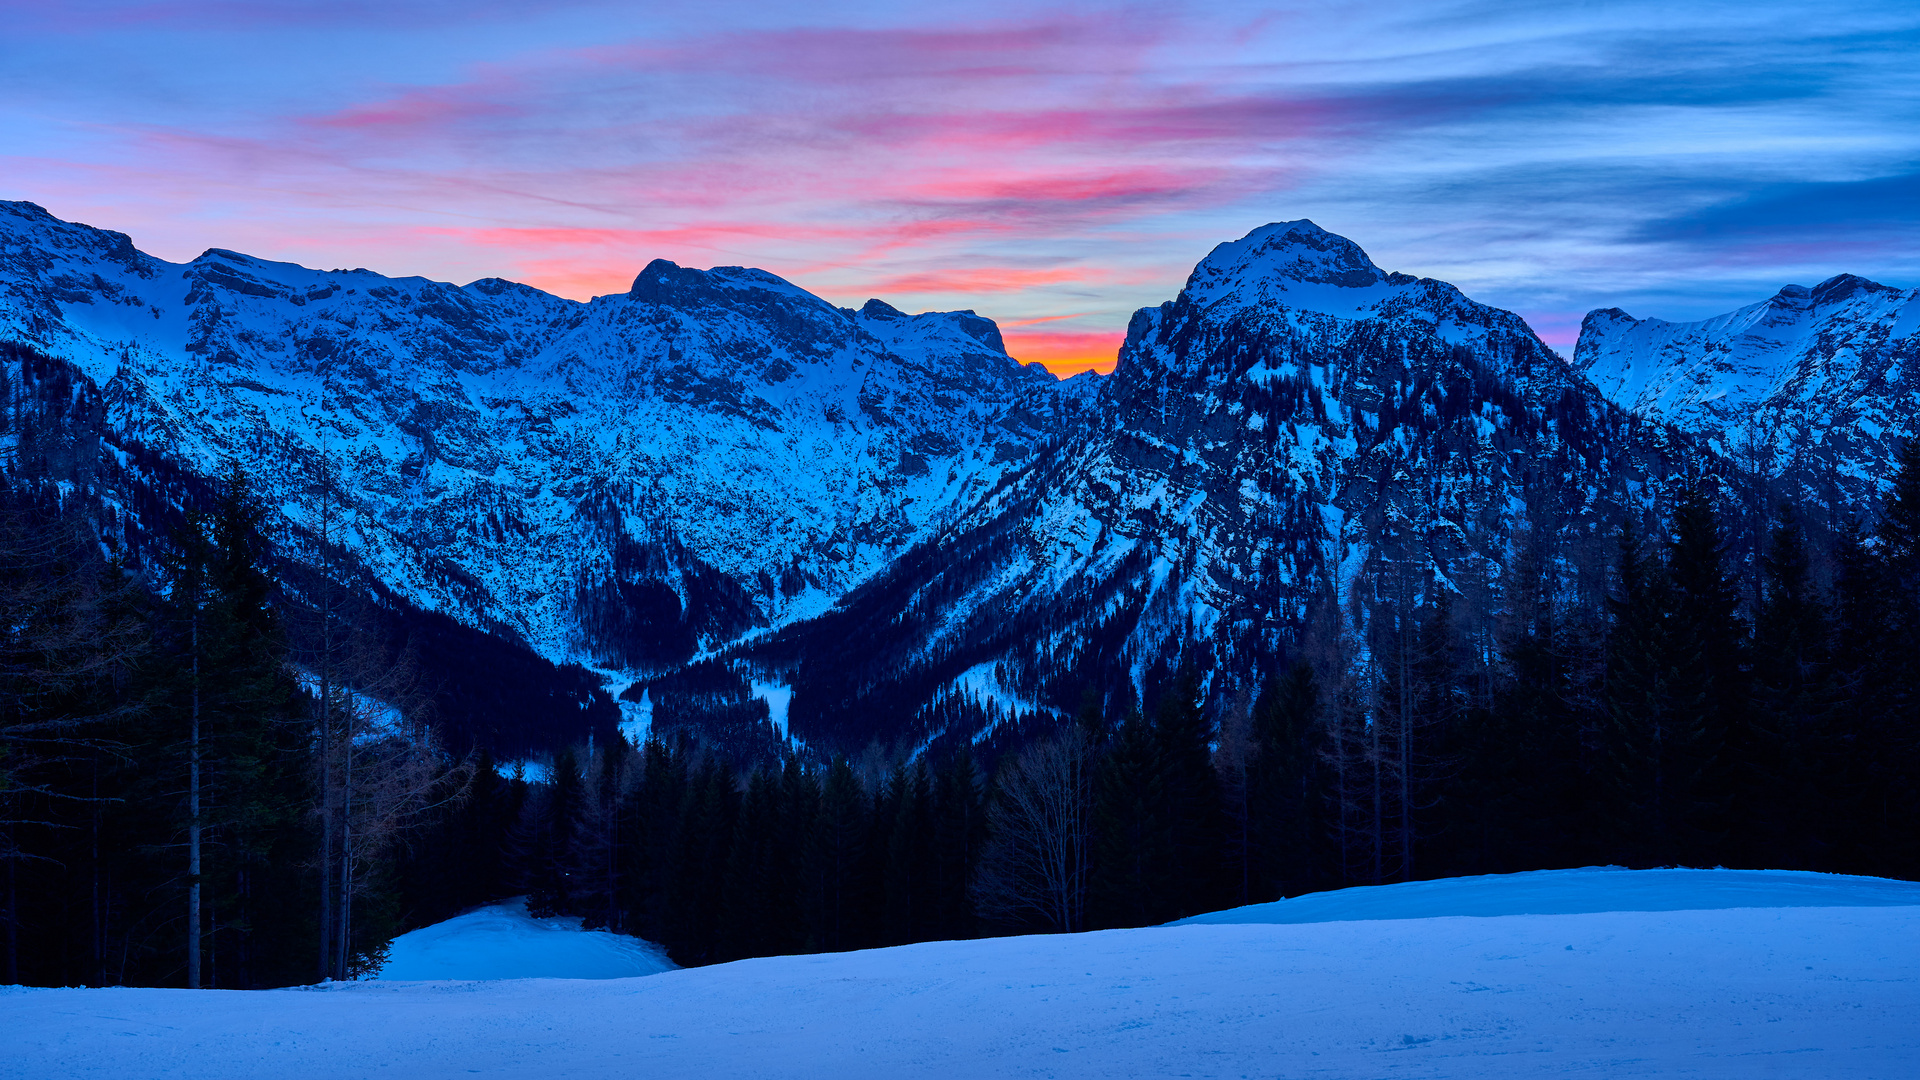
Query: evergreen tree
[
  {"x": 959, "y": 835},
  {"x": 1286, "y": 788},
  {"x": 698, "y": 879},
  {"x": 1782, "y": 796},
  {"x": 907, "y": 910},
  {"x": 1183, "y": 738},
  {"x": 1515, "y": 801},
  {"x": 1655, "y": 703},
  {"x": 1130, "y": 883},
  {"x": 756, "y": 886},
  {"x": 1706, "y": 632},
  {"x": 553, "y": 864},
  {"x": 836, "y": 852},
  {"x": 1891, "y": 728}
]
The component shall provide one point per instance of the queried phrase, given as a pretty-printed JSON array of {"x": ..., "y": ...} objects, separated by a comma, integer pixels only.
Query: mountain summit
[
  {"x": 1814, "y": 383},
  {"x": 626, "y": 480},
  {"x": 867, "y": 513}
]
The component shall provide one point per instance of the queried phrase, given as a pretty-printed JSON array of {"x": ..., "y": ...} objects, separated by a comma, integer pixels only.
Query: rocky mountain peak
[
  {"x": 1819, "y": 378},
  {"x": 1280, "y": 255},
  {"x": 737, "y": 449},
  {"x": 1842, "y": 286},
  {"x": 669, "y": 283}
]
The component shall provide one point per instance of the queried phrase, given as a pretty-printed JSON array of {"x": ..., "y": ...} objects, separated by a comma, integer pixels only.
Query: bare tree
[
  {"x": 384, "y": 770},
  {"x": 1034, "y": 869},
  {"x": 66, "y": 634}
]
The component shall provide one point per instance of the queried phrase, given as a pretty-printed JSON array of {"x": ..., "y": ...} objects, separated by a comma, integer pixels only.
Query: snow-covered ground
[
  {"x": 502, "y": 941},
  {"x": 1578, "y": 892},
  {"x": 1700, "y": 974}
]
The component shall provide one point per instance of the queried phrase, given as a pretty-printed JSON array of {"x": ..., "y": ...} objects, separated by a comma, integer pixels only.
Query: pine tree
[
  {"x": 906, "y": 913},
  {"x": 755, "y": 875},
  {"x": 1133, "y": 835},
  {"x": 554, "y": 862},
  {"x": 1705, "y": 630},
  {"x": 1653, "y": 710},
  {"x": 1780, "y": 805},
  {"x": 1286, "y": 788},
  {"x": 836, "y": 852},
  {"x": 959, "y": 835},
  {"x": 1892, "y": 728}
]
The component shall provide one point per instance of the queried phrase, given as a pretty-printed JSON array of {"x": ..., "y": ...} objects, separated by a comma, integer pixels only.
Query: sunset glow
[
  {"x": 1065, "y": 354},
  {"x": 1067, "y": 163}
]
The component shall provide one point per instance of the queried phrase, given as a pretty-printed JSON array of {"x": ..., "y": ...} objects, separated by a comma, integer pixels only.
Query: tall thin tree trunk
[
  {"x": 326, "y": 828},
  {"x": 346, "y": 843},
  {"x": 13, "y": 925},
  {"x": 97, "y": 922},
  {"x": 325, "y": 966},
  {"x": 1376, "y": 833},
  {"x": 193, "y": 817},
  {"x": 1406, "y": 730}
]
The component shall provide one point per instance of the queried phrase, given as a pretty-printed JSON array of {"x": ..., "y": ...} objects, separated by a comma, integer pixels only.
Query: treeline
[
  {"x": 179, "y": 805},
  {"x": 673, "y": 844},
  {"x": 1708, "y": 711},
  {"x": 182, "y": 808}
]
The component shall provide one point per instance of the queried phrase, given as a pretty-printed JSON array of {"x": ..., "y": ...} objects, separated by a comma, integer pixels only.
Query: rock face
[
  {"x": 1293, "y": 448},
  {"x": 1295, "y": 439},
  {"x": 1811, "y": 385},
  {"x": 625, "y": 480}
]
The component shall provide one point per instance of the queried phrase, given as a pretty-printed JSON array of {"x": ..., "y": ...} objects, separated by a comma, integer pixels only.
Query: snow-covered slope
[
  {"x": 1578, "y": 892},
  {"x": 1814, "y": 384},
  {"x": 627, "y": 479},
  {"x": 502, "y": 941},
  {"x": 1702, "y": 991}
]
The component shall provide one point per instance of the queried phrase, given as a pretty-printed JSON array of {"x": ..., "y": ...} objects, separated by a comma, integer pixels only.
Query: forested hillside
[
  {"x": 1341, "y": 578},
  {"x": 158, "y": 739}
]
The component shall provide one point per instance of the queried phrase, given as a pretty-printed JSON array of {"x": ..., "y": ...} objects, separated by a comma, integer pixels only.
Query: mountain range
[{"x": 722, "y": 487}]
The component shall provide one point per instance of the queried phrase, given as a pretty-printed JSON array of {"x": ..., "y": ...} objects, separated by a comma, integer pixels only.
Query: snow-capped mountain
[
  {"x": 1296, "y": 443},
  {"x": 622, "y": 480},
  {"x": 1295, "y": 437},
  {"x": 1810, "y": 384}
]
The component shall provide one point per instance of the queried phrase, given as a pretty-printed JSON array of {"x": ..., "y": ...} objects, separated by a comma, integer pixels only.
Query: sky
[{"x": 1053, "y": 167}]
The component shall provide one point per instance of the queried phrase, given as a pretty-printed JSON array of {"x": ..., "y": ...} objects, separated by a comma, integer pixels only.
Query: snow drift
[{"x": 1736, "y": 979}]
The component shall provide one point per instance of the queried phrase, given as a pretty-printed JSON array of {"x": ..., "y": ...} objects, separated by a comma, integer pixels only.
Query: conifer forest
[{"x": 213, "y": 776}]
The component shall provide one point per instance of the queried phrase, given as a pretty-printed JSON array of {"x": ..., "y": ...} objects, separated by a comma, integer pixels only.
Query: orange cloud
[{"x": 1065, "y": 352}]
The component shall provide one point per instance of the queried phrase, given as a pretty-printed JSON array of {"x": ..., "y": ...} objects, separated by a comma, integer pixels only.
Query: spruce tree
[
  {"x": 835, "y": 853},
  {"x": 555, "y": 859},
  {"x": 755, "y": 879},
  {"x": 1133, "y": 834},
  {"x": 959, "y": 834},
  {"x": 1781, "y": 805},
  {"x": 1654, "y": 705},
  {"x": 1286, "y": 788},
  {"x": 242, "y": 749},
  {"x": 1707, "y": 634}
]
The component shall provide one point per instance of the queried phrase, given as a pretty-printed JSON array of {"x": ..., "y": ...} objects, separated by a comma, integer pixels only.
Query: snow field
[
  {"x": 1748, "y": 991},
  {"x": 1574, "y": 892}
]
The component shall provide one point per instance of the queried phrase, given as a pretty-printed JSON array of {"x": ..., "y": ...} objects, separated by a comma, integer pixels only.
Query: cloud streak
[{"x": 1028, "y": 162}]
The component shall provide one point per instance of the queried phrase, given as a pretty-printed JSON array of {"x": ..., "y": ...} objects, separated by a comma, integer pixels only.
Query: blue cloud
[{"x": 1781, "y": 211}]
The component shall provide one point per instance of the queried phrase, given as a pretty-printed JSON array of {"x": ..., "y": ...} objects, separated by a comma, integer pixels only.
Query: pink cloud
[
  {"x": 412, "y": 111},
  {"x": 984, "y": 279}
]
